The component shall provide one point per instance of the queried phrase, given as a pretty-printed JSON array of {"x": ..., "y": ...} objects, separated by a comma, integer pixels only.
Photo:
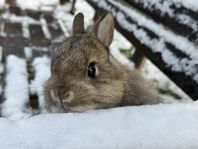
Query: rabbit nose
[{"x": 68, "y": 97}]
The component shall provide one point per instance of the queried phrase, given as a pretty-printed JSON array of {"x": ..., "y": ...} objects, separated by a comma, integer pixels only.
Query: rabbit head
[{"x": 83, "y": 74}]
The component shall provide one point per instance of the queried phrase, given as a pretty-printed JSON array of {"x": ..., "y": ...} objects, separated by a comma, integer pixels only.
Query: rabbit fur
[{"x": 70, "y": 89}]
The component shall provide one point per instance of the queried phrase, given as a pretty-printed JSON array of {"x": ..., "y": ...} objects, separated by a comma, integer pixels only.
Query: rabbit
[{"x": 84, "y": 76}]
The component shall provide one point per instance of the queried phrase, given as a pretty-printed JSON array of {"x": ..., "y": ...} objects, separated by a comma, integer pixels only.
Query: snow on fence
[
  {"x": 41, "y": 66},
  {"x": 154, "y": 127},
  {"x": 176, "y": 14},
  {"x": 175, "y": 55},
  {"x": 16, "y": 90}
]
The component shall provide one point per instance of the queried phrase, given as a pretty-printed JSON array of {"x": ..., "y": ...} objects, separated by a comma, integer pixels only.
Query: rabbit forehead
[
  {"x": 82, "y": 47},
  {"x": 77, "y": 52}
]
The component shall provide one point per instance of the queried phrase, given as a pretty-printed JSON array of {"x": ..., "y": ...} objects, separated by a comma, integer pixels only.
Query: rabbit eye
[{"x": 91, "y": 71}]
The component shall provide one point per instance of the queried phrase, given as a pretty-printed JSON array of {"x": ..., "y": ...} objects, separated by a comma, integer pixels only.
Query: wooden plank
[
  {"x": 183, "y": 80},
  {"x": 15, "y": 10},
  {"x": 37, "y": 36},
  {"x": 1, "y": 73},
  {"x": 11, "y": 2},
  {"x": 13, "y": 29},
  {"x": 139, "y": 59},
  {"x": 33, "y": 14},
  {"x": 62, "y": 2}
]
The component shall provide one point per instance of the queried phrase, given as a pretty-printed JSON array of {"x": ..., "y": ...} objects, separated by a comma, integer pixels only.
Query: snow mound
[{"x": 159, "y": 126}]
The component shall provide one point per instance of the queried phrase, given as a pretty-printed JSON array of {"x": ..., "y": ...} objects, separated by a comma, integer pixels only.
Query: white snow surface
[
  {"x": 154, "y": 127},
  {"x": 190, "y": 4},
  {"x": 35, "y": 4},
  {"x": 41, "y": 67},
  {"x": 16, "y": 89}
]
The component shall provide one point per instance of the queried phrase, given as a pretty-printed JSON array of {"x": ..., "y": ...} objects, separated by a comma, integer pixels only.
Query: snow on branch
[{"x": 160, "y": 126}]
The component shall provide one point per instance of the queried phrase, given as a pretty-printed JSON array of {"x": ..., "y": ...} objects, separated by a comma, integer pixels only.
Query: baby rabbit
[{"x": 85, "y": 76}]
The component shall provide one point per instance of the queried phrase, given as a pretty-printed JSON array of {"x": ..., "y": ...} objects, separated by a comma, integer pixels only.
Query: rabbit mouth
[{"x": 65, "y": 99}]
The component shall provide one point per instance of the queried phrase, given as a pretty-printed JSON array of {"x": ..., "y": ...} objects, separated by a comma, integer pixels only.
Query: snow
[
  {"x": 186, "y": 20},
  {"x": 35, "y": 4},
  {"x": 176, "y": 64},
  {"x": 87, "y": 10},
  {"x": 2, "y": 2},
  {"x": 1, "y": 53},
  {"x": 16, "y": 89},
  {"x": 178, "y": 41},
  {"x": 64, "y": 19},
  {"x": 64, "y": 29},
  {"x": 190, "y": 4},
  {"x": 2, "y": 25},
  {"x": 18, "y": 19},
  {"x": 41, "y": 67},
  {"x": 161, "y": 81},
  {"x": 160, "y": 126},
  {"x": 45, "y": 28},
  {"x": 1, "y": 69},
  {"x": 120, "y": 42},
  {"x": 166, "y": 8},
  {"x": 25, "y": 29},
  {"x": 189, "y": 67},
  {"x": 28, "y": 53},
  {"x": 120, "y": 57},
  {"x": 24, "y": 20}
]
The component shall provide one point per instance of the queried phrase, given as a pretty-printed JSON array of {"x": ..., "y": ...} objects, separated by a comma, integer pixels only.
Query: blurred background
[{"x": 157, "y": 37}]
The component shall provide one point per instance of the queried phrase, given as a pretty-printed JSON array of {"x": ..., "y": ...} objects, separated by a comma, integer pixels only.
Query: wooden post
[
  {"x": 139, "y": 59},
  {"x": 73, "y": 6},
  {"x": 62, "y": 2}
]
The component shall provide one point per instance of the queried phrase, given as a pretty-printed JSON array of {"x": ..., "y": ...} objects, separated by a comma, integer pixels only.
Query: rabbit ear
[
  {"x": 78, "y": 24},
  {"x": 104, "y": 29}
]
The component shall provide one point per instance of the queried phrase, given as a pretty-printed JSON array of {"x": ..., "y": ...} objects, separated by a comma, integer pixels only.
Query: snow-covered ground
[{"x": 171, "y": 126}]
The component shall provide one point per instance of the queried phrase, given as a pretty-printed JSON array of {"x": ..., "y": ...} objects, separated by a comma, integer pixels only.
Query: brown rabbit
[{"x": 85, "y": 76}]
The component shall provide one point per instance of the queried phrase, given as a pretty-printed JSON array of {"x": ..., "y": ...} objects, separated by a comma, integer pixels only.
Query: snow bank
[
  {"x": 160, "y": 126},
  {"x": 16, "y": 89}
]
